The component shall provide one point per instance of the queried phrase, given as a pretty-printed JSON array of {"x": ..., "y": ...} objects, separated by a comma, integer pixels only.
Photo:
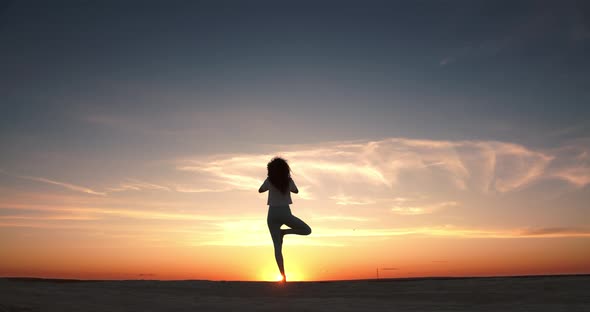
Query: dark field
[{"x": 535, "y": 293}]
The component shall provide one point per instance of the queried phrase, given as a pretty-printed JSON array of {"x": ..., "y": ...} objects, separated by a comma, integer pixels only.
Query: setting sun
[{"x": 271, "y": 274}]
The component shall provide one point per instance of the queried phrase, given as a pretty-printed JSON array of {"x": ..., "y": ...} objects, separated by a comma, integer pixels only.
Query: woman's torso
[{"x": 276, "y": 197}]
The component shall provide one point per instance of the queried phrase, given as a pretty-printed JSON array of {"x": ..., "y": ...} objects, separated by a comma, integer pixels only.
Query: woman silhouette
[{"x": 279, "y": 185}]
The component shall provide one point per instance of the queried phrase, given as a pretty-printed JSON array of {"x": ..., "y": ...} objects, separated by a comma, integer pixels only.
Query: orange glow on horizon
[{"x": 272, "y": 274}]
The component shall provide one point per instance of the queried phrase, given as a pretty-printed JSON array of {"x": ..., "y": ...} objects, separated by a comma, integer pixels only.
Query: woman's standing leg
[{"x": 277, "y": 241}]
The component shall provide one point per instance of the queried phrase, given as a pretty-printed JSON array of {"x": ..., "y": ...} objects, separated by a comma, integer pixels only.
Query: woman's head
[{"x": 279, "y": 174}]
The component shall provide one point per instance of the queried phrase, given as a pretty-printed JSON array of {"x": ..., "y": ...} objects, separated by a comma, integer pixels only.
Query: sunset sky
[{"x": 427, "y": 138}]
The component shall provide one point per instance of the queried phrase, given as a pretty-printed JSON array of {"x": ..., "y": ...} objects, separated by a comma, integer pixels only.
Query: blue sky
[{"x": 508, "y": 70}]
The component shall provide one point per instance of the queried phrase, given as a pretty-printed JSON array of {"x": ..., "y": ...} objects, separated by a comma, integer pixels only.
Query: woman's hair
[{"x": 279, "y": 174}]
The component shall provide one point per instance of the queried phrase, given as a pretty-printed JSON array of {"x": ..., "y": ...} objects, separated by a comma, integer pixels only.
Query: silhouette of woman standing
[{"x": 279, "y": 186}]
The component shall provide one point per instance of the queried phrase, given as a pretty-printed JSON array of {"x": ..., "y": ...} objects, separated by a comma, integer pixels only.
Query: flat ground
[{"x": 539, "y": 293}]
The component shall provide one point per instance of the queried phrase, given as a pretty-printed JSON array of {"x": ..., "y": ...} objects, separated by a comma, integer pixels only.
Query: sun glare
[{"x": 272, "y": 275}]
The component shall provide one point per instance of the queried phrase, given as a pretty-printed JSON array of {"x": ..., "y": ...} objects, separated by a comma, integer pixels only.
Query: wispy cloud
[
  {"x": 69, "y": 186},
  {"x": 48, "y": 217},
  {"x": 413, "y": 207},
  {"x": 579, "y": 176},
  {"x": 340, "y": 218},
  {"x": 101, "y": 212},
  {"x": 554, "y": 232},
  {"x": 572, "y": 163},
  {"x": 459, "y": 232},
  {"x": 129, "y": 184},
  {"x": 136, "y": 185},
  {"x": 190, "y": 189},
  {"x": 219, "y": 170},
  {"x": 349, "y": 200}
]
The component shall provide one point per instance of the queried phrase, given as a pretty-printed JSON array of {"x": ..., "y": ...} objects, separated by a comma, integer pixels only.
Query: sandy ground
[{"x": 549, "y": 293}]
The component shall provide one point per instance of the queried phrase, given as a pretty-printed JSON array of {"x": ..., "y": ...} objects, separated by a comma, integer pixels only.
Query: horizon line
[{"x": 386, "y": 279}]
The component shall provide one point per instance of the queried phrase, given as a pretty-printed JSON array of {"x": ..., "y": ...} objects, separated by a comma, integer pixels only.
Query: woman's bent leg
[{"x": 297, "y": 226}]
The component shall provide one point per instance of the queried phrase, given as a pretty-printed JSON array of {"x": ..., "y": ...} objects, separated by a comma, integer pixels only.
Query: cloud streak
[
  {"x": 459, "y": 232},
  {"x": 68, "y": 186},
  {"x": 350, "y": 201},
  {"x": 102, "y": 212},
  {"x": 404, "y": 209},
  {"x": 136, "y": 185}
]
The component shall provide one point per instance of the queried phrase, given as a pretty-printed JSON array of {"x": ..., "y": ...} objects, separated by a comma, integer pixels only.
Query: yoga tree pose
[{"x": 279, "y": 186}]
